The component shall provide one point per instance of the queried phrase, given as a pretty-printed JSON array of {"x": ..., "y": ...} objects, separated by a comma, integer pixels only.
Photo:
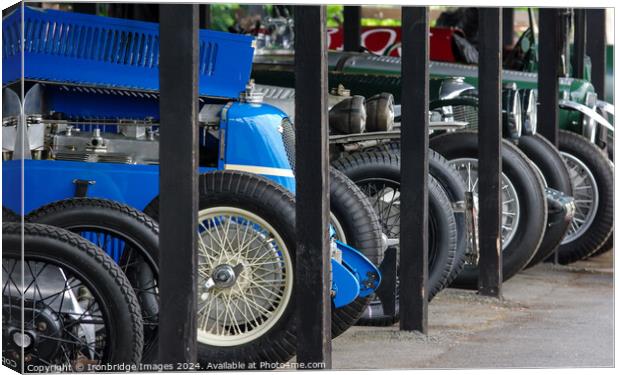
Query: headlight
[
  {"x": 529, "y": 103},
  {"x": 511, "y": 113},
  {"x": 348, "y": 116},
  {"x": 380, "y": 112}
]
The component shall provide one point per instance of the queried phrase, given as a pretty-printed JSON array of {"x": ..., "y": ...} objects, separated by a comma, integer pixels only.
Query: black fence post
[
  {"x": 579, "y": 43},
  {"x": 352, "y": 28},
  {"x": 205, "y": 16},
  {"x": 596, "y": 48},
  {"x": 489, "y": 152},
  {"x": 178, "y": 182},
  {"x": 549, "y": 72},
  {"x": 414, "y": 171},
  {"x": 312, "y": 281},
  {"x": 508, "y": 23},
  {"x": 81, "y": 7}
]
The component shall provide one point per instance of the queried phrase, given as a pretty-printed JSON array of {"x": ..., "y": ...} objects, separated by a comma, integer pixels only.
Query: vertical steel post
[
  {"x": 178, "y": 182},
  {"x": 81, "y": 7},
  {"x": 489, "y": 152},
  {"x": 579, "y": 44},
  {"x": 508, "y": 23},
  {"x": 205, "y": 16},
  {"x": 596, "y": 48},
  {"x": 312, "y": 280},
  {"x": 352, "y": 28},
  {"x": 414, "y": 171},
  {"x": 550, "y": 46}
]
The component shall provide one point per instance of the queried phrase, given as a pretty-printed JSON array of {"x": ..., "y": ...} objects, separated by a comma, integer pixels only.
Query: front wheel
[
  {"x": 524, "y": 207},
  {"x": 246, "y": 267},
  {"x": 593, "y": 183},
  {"x": 81, "y": 310}
]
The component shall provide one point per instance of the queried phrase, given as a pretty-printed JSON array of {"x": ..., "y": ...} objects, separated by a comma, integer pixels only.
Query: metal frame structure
[
  {"x": 596, "y": 47},
  {"x": 413, "y": 271},
  {"x": 312, "y": 187},
  {"x": 179, "y": 26},
  {"x": 178, "y": 77},
  {"x": 548, "y": 73},
  {"x": 490, "y": 151}
]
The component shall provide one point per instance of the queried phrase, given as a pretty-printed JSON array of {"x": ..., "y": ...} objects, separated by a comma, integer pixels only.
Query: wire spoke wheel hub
[
  {"x": 245, "y": 276},
  {"x": 468, "y": 168},
  {"x": 585, "y": 194}
]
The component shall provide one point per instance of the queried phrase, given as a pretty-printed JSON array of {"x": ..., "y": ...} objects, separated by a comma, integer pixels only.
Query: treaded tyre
[
  {"x": 593, "y": 183},
  {"x": 356, "y": 224},
  {"x": 378, "y": 176},
  {"x": 524, "y": 203},
  {"x": 108, "y": 327},
  {"x": 127, "y": 235},
  {"x": 454, "y": 187},
  {"x": 549, "y": 162},
  {"x": 9, "y": 216},
  {"x": 265, "y": 212}
]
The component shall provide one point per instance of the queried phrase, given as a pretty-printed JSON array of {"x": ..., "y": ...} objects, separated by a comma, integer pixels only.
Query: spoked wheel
[
  {"x": 246, "y": 269},
  {"x": 524, "y": 205},
  {"x": 592, "y": 176},
  {"x": 378, "y": 175},
  {"x": 128, "y": 236},
  {"x": 356, "y": 224},
  {"x": 547, "y": 160},
  {"x": 245, "y": 276},
  {"x": 586, "y": 197},
  {"x": 511, "y": 209},
  {"x": 79, "y": 310}
]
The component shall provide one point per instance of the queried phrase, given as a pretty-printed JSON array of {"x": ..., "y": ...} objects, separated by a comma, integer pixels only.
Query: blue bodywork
[{"x": 118, "y": 79}]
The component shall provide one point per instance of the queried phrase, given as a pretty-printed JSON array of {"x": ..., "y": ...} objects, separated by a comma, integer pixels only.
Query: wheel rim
[
  {"x": 64, "y": 322},
  {"x": 384, "y": 195},
  {"x": 585, "y": 194},
  {"x": 511, "y": 208},
  {"x": 340, "y": 235},
  {"x": 245, "y": 276},
  {"x": 140, "y": 269}
]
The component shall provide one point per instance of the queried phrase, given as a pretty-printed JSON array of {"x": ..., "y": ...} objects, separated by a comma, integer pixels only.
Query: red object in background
[{"x": 385, "y": 40}]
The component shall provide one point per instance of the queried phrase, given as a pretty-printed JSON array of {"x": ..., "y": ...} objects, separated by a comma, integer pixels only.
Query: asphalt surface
[{"x": 550, "y": 316}]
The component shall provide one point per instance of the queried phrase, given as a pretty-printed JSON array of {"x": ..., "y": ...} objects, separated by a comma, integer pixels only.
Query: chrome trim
[
  {"x": 607, "y": 107},
  {"x": 586, "y": 111}
]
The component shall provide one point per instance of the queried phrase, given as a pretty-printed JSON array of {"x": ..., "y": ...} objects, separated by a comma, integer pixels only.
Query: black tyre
[
  {"x": 101, "y": 326},
  {"x": 454, "y": 187},
  {"x": 441, "y": 232},
  {"x": 524, "y": 200},
  {"x": 265, "y": 332},
  {"x": 593, "y": 189},
  {"x": 9, "y": 216},
  {"x": 549, "y": 162},
  {"x": 127, "y": 235},
  {"x": 356, "y": 224},
  {"x": 378, "y": 176}
]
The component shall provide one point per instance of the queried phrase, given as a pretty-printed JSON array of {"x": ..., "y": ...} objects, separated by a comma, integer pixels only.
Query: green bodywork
[{"x": 367, "y": 75}]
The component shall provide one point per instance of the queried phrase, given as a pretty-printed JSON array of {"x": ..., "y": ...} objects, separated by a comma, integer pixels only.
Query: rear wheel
[
  {"x": 555, "y": 175},
  {"x": 453, "y": 185},
  {"x": 356, "y": 224},
  {"x": 378, "y": 176},
  {"x": 128, "y": 236},
  {"x": 592, "y": 177}
]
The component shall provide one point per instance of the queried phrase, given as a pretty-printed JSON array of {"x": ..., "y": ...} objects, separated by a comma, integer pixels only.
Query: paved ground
[{"x": 551, "y": 316}]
